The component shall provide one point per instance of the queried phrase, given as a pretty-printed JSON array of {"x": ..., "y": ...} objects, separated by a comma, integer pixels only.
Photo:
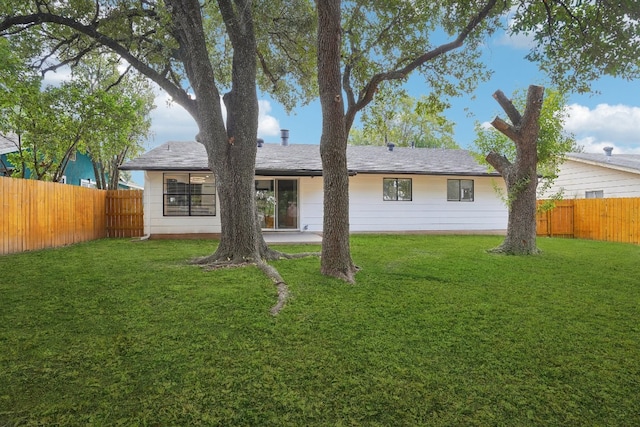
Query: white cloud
[
  {"x": 55, "y": 78},
  {"x": 486, "y": 125},
  {"x": 171, "y": 122},
  {"x": 605, "y": 124},
  {"x": 516, "y": 41},
  {"x": 267, "y": 125},
  {"x": 592, "y": 145}
]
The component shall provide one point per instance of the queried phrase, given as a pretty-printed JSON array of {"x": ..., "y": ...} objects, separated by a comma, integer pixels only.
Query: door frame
[{"x": 269, "y": 200}]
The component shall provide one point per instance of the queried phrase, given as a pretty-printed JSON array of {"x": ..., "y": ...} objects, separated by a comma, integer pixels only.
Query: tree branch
[
  {"x": 505, "y": 128},
  {"x": 265, "y": 69},
  {"x": 367, "y": 94},
  {"x": 177, "y": 93},
  {"x": 508, "y": 107},
  {"x": 499, "y": 162}
]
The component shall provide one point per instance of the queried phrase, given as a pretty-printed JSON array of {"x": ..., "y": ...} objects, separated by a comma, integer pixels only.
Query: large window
[
  {"x": 189, "y": 194},
  {"x": 396, "y": 189},
  {"x": 460, "y": 190}
]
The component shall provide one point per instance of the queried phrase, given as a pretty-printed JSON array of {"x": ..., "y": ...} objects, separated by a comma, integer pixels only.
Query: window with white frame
[
  {"x": 460, "y": 190},
  {"x": 396, "y": 189},
  {"x": 595, "y": 194},
  {"x": 88, "y": 183},
  {"x": 189, "y": 194}
]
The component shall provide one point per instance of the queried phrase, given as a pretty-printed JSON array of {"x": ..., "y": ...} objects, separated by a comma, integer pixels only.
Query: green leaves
[
  {"x": 397, "y": 118},
  {"x": 85, "y": 114},
  {"x": 577, "y": 42}
]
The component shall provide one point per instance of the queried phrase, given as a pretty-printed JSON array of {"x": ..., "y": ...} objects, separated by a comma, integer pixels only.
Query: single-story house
[
  {"x": 390, "y": 190},
  {"x": 79, "y": 169},
  {"x": 593, "y": 175}
]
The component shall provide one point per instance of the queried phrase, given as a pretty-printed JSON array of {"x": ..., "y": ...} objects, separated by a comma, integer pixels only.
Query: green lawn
[{"x": 435, "y": 332}]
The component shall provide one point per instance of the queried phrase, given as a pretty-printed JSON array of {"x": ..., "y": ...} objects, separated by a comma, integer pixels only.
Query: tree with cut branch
[
  {"x": 520, "y": 176},
  {"x": 513, "y": 147}
]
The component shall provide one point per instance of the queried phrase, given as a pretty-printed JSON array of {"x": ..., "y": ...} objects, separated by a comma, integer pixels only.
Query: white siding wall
[
  {"x": 156, "y": 223},
  {"x": 428, "y": 211},
  {"x": 311, "y": 198},
  {"x": 575, "y": 178}
]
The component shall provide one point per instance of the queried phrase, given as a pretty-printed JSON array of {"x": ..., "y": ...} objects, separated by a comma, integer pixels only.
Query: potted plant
[{"x": 266, "y": 204}]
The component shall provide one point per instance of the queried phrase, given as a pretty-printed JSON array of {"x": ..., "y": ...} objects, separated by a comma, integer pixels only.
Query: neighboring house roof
[
  {"x": 304, "y": 159},
  {"x": 128, "y": 185},
  {"x": 8, "y": 144},
  {"x": 622, "y": 162}
]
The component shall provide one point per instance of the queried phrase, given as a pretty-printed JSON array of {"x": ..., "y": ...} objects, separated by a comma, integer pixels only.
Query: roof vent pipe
[
  {"x": 260, "y": 142},
  {"x": 284, "y": 134},
  {"x": 607, "y": 151},
  {"x": 390, "y": 146}
]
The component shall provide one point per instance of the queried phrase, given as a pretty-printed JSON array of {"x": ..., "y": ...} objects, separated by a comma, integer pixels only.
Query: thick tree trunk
[
  {"x": 336, "y": 252},
  {"x": 231, "y": 150},
  {"x": 234, "y": 165},
  {"x": 521, "y": 181},
  {"x": 520, "y": 176}
]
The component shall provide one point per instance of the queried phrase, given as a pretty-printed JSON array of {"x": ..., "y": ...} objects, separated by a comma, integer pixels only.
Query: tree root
[
  {"x": 276, "y": 278},
  {"x": 276, "y": 255},
  {"x": 502, "y": 250},
  {"x": 213, "y": 262}
]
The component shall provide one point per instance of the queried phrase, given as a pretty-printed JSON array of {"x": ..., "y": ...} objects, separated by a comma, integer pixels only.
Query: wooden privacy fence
[
  {"x": 124, "y": 213},
  {"x": 37, "y": 215},
  {"x": 614, "y": 220}
]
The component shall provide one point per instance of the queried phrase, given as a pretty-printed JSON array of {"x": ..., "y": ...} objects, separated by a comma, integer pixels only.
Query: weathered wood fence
[
  {"x": 614, "y": 220},
  {"x": 124, "y": 213},
  {"x": 37, "y": 215}
]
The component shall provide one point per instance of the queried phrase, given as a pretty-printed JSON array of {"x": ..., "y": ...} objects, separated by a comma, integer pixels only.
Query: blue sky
[{"x": 608, "y": 118}]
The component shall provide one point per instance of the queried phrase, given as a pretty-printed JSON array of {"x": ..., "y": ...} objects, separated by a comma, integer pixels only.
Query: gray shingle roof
[
  {"x": 8, "y": 144},
  {"x": 304, "y": 159},
  {"x": 626, "y": 162}
]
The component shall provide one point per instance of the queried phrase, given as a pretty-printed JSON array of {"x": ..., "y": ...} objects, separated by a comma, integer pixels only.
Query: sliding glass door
[{"x": 277, "y": 203}]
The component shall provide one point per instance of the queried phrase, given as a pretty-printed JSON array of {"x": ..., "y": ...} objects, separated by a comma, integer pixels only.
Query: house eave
[
  {"x": 307, "y": 172},
  {"x": 430, "y": 173},
  {"x": 604, "y": 165},
  {"x": 162, "y": 168},
  {"x": 289, "y": 172}
]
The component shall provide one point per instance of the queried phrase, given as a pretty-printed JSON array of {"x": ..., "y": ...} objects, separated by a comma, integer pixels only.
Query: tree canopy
[
  {"x": 576, "y": 42},
  {"x": 395, "y": 117},
  {"x": 88, "y": 113}
]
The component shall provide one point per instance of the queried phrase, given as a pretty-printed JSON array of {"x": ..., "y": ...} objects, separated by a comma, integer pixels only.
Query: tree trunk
[
  {"x": 232, "y": 150},
  {"x": 520, "y": 176},
  {"x": 336, "y": 252}
]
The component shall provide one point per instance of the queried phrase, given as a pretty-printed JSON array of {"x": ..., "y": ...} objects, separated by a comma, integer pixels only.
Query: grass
[{"x": 435, "y": 332}]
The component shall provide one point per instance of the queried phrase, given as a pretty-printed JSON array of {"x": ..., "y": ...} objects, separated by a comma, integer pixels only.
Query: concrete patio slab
[{"x": 291, "y": 238}]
